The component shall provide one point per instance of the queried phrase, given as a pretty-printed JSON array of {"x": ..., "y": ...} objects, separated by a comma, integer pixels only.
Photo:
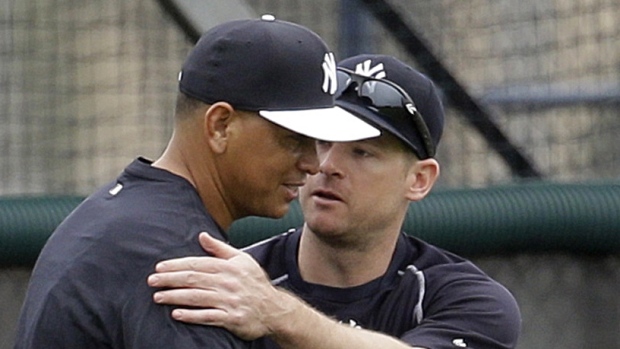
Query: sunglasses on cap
[{"x": 387, "y": 98}]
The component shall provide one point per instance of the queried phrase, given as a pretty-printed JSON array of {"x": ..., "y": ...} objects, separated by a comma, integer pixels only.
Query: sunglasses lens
[
  {"x": 386, "y": 99},
  {"x": 344, "y": 80},
  {"x": 381, "y": 94}
]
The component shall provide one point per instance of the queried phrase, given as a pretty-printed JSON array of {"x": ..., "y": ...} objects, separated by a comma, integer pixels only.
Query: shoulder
[
  {"x": 445, "y": 271},
  {"x": 460, "y": 295},
  {"x": 149, "y": 325},
  {"x": 440, "y": 266},
  {"x": 274, "y": 244},
  {"x": 272, "y": 253}
]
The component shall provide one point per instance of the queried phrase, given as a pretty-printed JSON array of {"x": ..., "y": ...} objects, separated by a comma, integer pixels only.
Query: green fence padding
[
  {"x": 537, "y": 217},
  {"x": 526, "y": 217},
  {"x": 26, "y": 223}
]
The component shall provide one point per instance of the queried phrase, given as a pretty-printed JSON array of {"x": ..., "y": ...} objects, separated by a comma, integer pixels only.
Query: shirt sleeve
[
  {"x": 466, "y": 311},
  {"x": 148, "y": 325}
]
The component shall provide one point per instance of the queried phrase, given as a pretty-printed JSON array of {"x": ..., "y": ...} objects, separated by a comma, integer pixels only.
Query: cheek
[
  {"x": 270, "y": 156},
  {"x": 266, "y": 159},
  {"x": 304, "y": 191},
  {"x": 377, "y": 189},
  {"x": 257, "y": 178},
  {"x": 272, "y": 168}
]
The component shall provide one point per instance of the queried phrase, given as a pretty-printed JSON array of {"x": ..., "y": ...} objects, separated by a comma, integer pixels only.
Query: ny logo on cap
[
  {"x": 330, "y": 82},
  {"x": 365, "y": 69},
  {"x": 376, "y": 72}
]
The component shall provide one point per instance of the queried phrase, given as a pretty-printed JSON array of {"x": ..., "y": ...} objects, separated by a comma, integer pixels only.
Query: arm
[
  {"x": 308, "y": 328},
  {"x": 234, "y": 293}
]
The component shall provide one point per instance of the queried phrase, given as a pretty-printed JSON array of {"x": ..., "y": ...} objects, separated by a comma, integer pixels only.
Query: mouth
[
  {"x": 326, "y": 194},
  {"x": 292, "y": 190}
]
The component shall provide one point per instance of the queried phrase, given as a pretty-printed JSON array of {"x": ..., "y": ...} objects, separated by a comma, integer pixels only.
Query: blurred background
[{"x": 531, "y": 89}]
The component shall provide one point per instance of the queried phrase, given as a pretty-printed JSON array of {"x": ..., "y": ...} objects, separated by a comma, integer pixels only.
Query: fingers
[
  {"x": 216, "y": 247},
  {"x": 192, "y": 298},
  {"x": 200, "y": 264},
  {"x": 185, "y": 279},
  {"x": 214, "y": 309},
  {"x": 219, "y": 250},
  {"x": 214, "y": 317}
]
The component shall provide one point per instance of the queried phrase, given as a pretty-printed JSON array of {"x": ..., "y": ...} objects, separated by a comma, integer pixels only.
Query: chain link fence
[{"x": 89, "y": 85}]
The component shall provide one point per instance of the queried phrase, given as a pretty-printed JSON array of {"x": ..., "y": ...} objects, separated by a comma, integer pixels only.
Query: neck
[
  {"x": 186, "y": 159},
  {"x": 343, "y": 265}
]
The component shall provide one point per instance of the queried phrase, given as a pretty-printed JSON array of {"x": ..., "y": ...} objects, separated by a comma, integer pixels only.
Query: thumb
[{"x": 216, "y": 247}]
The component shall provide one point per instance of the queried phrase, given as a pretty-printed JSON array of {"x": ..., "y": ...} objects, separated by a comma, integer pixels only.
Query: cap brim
[
  {"x": 396, "y": 130},
  {"x": 326, "y": 124}
]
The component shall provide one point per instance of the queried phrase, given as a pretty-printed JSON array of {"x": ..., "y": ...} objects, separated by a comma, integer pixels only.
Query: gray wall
[{"x": 13, "y": 284}]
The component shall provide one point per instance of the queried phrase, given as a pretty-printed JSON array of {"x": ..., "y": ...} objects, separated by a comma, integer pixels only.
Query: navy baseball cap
[
  {"x": 417, "y": 86},
  {"x": 281, "y": 70}
]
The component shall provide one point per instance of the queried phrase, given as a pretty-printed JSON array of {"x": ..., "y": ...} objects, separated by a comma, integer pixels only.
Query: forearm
[
  {"x": 303, "y": 327},
  {"x": 235, "y": 293}
]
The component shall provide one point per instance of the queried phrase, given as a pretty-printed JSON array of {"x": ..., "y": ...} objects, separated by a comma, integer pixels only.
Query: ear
[
  {"x": 217, "y": 120},
  {"x": 421, "y": 178}
]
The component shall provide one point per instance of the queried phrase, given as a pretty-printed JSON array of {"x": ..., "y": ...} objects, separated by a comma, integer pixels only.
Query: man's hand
[{"x": 230, "y": 289}]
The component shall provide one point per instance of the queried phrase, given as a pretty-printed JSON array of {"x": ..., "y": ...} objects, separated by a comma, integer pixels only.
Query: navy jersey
[
  {"x": 88, "y": 288},
  {"x": 428, "y": 297}
]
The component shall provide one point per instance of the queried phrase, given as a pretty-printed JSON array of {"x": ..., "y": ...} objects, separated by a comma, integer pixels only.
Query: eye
[
  {"x": 323, "y": 144},
  {"x": 361, "y": 152},
  {"x": 297, "y": 141}
]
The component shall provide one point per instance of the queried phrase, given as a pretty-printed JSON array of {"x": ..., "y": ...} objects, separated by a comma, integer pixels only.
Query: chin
[
  {"x": 322, "y": 227},
  {"x": 276, "y": 212}
]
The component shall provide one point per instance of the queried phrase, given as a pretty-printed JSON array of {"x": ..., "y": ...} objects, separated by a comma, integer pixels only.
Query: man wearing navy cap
[
  {"x": 379, "y": 287},
  {"x": 253, "y": 95}
]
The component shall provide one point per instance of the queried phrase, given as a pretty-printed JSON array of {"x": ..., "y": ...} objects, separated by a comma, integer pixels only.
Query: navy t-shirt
[
  {"x": 428, "y": 297},
  {"x": 88, "y": 288}
]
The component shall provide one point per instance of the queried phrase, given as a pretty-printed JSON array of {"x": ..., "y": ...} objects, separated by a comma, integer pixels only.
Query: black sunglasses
[{"x": 387, "y": 98}]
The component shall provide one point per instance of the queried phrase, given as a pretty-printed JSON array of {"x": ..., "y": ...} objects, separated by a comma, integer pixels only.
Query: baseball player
[
  {"x": 359, "y": 281},
  {"x": 252, "y": 92}
]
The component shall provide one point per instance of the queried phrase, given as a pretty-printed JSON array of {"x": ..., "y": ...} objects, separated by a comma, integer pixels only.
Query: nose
[
  {"x": 329, "y": 163},
  {"x": 308, "y": 161}
]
